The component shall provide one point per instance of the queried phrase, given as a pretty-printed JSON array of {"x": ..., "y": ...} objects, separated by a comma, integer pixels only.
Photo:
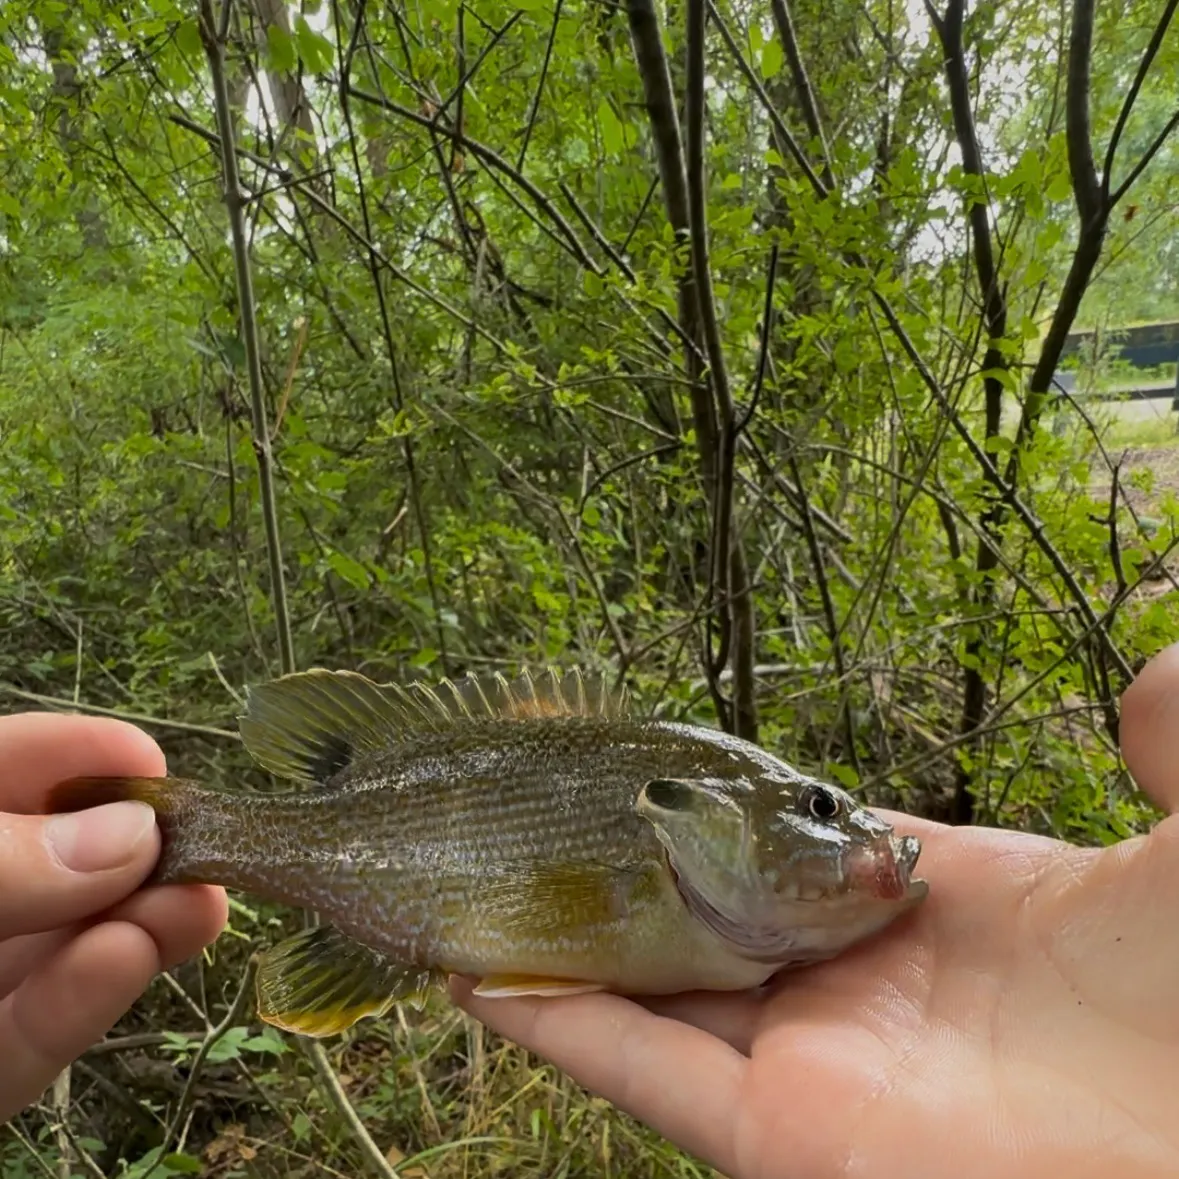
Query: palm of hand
[{"x": 1019, "y": 1023}]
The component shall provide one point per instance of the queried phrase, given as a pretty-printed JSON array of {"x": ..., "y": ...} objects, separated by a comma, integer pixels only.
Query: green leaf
[
  {"x": 611, "y": 127},
  {"x": 182, "y": 1164},
  {"x": 281, "y": 50},
  {"x": 353, "y": 572},
  {"x": 228, "y": 1047},
  {"x": 314, "y": 48},
  {"x": 1059, "y": 187},
  {"x": 188, "y": 38},
  {"x": 268, "y": 1041},
  {"x": 845, "y": 775},
  {"x": 771, "y": 58},
  {"x": 424, "y": 658}
]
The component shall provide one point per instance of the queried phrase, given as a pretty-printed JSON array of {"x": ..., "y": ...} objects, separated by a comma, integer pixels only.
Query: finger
[
  {"x": 1150, "y": 729},
  {"x": 40, "y": 749},
  {"x": 180, "y": 918},
  {"x": 910, "y": 824},
  {"x": 628, "y": 1055},
  {"x": 67, "y": 1004},
  {"x": 19, "y": 956},
  {"x": 58, "y": 870},
  {"x": 732, "y": 1018}
]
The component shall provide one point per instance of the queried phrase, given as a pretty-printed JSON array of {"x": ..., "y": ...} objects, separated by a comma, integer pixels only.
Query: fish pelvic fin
[
  {"x": 310, "y": 725},
  {"x": 511, "y": 986},
  {"x": 321, "y": 981}
]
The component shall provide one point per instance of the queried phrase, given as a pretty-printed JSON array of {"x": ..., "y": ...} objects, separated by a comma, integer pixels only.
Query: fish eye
[
  {"x": 668, "y": 794},
  {"x": 821, "y": 803}
]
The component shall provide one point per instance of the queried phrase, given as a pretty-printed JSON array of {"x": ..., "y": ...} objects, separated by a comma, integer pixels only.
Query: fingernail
[{"x": 99, "y": 839}]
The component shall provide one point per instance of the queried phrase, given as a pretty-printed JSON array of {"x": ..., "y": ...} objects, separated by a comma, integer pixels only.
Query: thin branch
[
  {"x": 820, "y": 186},
  {"x": 301, "y": 184},
  {"x": 235, "y": 200},
  {"x": 1025, "y": 514},
  {"x": 1152, "y": 48},
  {"x": 135, "y": 718},
  {"x": 407, "y": 448},
  {"x": 1086, "y": 188},
  {"x": 544, "y": 73},
  {"x": 834, "y": 633},
  {"x": 215, "y": 52},
  {"x": 1146, "y": 157},
  {"x": 233, "y": 1017},
  {"x": 728, "y": 561},
  {"x": 763, "y": 352},
  {"x": 494, "y": 160},
  {"x": 802, "y": 84}
]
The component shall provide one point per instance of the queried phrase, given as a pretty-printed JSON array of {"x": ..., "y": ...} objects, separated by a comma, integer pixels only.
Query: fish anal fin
[
  {"x": 320, "y": 982},
  {"x": 310, "y": 725},
  {"x": 510, "y": 986}
]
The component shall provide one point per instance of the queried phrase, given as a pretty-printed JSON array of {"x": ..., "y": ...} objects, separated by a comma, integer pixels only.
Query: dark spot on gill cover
[{"x": 332, "y": 753}]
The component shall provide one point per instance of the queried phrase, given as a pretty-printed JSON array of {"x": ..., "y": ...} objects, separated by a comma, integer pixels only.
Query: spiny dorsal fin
[{"x": 310, "y": 725}]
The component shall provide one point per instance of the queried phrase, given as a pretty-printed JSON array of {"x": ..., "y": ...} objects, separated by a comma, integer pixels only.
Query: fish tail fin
[
  {"x": 79, "y": 794},
  {"x": 183, "y": 808}
]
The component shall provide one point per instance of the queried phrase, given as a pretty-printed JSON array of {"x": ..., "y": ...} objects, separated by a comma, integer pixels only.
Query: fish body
[{"x": 532, "y": 833}]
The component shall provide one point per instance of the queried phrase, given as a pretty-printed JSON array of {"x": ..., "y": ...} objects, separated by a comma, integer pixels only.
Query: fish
[{"x": 535, "y": 833}]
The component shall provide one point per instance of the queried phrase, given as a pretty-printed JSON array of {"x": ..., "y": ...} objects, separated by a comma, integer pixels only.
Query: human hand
[
  {"x": 76, "y": 947},
  {"x": 1022, "y": 1022}
]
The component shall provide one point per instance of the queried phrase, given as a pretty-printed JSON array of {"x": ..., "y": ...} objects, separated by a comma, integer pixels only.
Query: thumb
[
  {"x": 1150, "y": 729},
  {"x": 58, "y": 870}
]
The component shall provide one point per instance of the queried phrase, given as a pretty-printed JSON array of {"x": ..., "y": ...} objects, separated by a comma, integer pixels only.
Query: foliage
[{"x": 486, "y": 416}]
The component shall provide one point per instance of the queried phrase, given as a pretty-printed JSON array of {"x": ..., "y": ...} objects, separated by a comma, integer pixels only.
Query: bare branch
[
  {"x": 1145, "y": 159},
  {"x": 802, "y": 84},
  {"x": 544, "y": 73},
  {"x": 235, "y": 200},
  {"x": 728, "y": 560},
  {"x": 1086, "y": 189},
  {"x": 490, "y": 157},
  {"x": 1152, "y": 48}
]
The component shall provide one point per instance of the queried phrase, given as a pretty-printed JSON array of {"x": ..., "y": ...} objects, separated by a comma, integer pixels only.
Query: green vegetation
[{"x": 510, "y": 425}]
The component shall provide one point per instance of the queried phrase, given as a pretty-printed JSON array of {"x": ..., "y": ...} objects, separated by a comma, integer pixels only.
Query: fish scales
[{"x": 533, "y": 834}]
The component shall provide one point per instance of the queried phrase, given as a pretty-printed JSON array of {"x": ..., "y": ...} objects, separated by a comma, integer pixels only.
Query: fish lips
[{"x": 884, "y": 870}]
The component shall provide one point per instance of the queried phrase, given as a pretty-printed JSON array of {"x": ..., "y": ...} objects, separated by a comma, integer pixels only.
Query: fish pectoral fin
[
  {"x": 505, "y": 986},
  {"x": 550, "y": 898},
  {"x": 321, "y": 981}
]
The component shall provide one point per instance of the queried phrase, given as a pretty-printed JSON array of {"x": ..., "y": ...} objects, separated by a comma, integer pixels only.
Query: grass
[{"x": 1160, "y": 430}]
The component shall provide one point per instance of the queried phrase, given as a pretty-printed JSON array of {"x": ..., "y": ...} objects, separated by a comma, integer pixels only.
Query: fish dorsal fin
[
  {"x": 310, "y": 725},
  {"x": 527, "y": 697}
]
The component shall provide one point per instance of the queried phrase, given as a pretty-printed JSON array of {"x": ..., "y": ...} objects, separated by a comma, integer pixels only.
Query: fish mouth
[{"x": 885, "y": 870}]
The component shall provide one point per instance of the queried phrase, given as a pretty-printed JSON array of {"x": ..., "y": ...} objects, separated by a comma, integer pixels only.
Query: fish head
[{"x": 783, "y": 868}]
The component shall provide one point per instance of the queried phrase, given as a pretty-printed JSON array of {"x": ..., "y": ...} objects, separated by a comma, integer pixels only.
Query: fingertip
[
  {"x": 40, "y": 749},
  {"x": 1150, "y": 729},
  {"x": 460, "y": 987}
]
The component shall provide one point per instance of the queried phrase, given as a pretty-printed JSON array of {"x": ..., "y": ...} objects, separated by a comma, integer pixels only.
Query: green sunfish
[{"x": 534, "y": 833}]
